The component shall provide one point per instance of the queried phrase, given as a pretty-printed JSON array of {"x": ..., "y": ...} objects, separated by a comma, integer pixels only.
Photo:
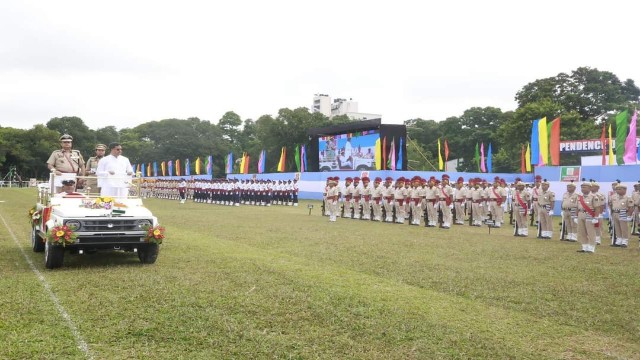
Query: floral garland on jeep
[
  {"x": 102, "y": 202},
  {"x": 154, "y": 234},
  {"x": 34, "y": 216},
  {"x": 61, "y": 235}
]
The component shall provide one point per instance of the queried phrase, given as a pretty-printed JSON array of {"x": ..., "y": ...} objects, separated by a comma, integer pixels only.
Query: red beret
[
  {"x": 378, "y": 179},
  {"x": 460, "y": 180},
  {"x": 389, "y": 178},
  {"x": 348, "y": 179},
  {"x": 365, "y": 178},
  {"x": 356, "y": 179},
  {"x": 445, "y": 177}
]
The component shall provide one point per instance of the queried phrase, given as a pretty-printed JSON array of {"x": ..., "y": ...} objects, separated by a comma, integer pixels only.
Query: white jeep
[{"x": 82, "y": 222}]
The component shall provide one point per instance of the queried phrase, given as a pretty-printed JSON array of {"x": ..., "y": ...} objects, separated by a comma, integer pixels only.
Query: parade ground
[{"x": 253, "y": 282}]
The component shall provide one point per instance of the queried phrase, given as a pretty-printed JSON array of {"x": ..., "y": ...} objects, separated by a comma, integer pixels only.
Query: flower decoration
[
  {"x": 154, "y": 234},
  {"x": 102, "y": 202},
  {"x": 34, "y": 216},
  {"x": 61, "y": 235}
]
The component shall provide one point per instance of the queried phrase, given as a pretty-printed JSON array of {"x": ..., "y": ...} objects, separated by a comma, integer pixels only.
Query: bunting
[
  {"x": 522, "y": 161},
  {"x": 399, "y": 161},
  {"x": 622, "y": 128},
  {"x": 170, "y": 168},
  {"x": 148, "y": 169},
  {"x": 535, "y": 143},
  {"x": 384, "y": 153},
  {"x": 242, "y": 162},
  {"x": 296, "y": 157},
  {"x": 178, "y": 168},
  {"x": 187, "y": 167},
  {"x": 611, "y": 157},
  {"x": 261, "y": 161},
  {"x": 483, "y": 168},
  {"x": 554, "y": 142},
  {"x": 198, "y": 166},
  {"x": 476, "y": 157},
  {"x": 543, "y": 142},
  {"x": 440, "y": 162},
  {"x": 528, "y": 158},
  {"x": 489, "y": 160},
  {"x": 155, "y": 168},
  {"x": 283, "y": 159},
  {"x": 209, "y": 165},
  {"x": 630, "y": 151},
  {"x": 229, "y": 167},
  {"x": 603, "y": 144},
  {"x": 303, "y": 159},
  {"x": 163, "y": 168},
  {"x": 446, "y": 154},
  {"x": 392, "y": 155}
]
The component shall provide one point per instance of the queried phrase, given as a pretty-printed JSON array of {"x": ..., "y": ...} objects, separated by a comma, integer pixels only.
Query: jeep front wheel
[
  {"x": 37, "y": 244},
  {"x": 148, "y": 254},
  {"x": 53, "y": 256}
]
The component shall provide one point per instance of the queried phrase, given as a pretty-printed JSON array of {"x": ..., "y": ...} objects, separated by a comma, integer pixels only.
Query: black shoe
[
  {"x": 623, "y": 246},
  {"x": 614, "y": 245},
  {"x": 581, "y": 251}
]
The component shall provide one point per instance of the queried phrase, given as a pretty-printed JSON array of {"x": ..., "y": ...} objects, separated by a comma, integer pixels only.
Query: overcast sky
[{"x": 124, "y": 63}]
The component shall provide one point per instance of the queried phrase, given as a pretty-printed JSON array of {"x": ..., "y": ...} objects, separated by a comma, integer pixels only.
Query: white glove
[
  {"x": 595, "y": 221},
  {"x": 550, "y": 212},
  {"x": 450, "y": 206},
  {"x": 575, "y": 220},
  {"x": 504, "y": 207},
  {"x": 562, "y": 213}
]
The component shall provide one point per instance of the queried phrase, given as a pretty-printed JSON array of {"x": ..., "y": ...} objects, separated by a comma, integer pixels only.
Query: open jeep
[{"x": 83, "y": 222}]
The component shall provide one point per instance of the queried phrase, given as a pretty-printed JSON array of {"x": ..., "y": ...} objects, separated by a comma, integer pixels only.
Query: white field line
[{"x": 82, "y": 345}]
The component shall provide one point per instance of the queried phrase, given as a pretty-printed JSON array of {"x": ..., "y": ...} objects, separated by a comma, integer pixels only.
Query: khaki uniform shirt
[{"x": 66, "y": 162}]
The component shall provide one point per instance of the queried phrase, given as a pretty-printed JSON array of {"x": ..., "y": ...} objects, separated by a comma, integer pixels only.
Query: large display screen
[{"x": 351, "y": 151}]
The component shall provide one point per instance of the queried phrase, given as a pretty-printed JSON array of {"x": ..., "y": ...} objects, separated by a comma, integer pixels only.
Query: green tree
[{"x": 84, "y": 139}]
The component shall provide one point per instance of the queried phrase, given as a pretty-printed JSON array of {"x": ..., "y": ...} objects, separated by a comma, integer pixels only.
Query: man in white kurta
[{"x": 114, "y": 173}]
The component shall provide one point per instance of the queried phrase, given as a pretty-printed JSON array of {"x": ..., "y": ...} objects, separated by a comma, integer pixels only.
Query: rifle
[
  {"x": 322, "y": 207},
  {"x": 634, "y": 225},
  {"x": 410, "y": 215},
  {"x": 384, "y": 211},
  {"x": 563, "y": 227},
  {"x": 534, "y": 212},
  {"x": 539, "y": 228},
  {"x": 342, "y": 209},
  {"x": 393, "y": 214},
  {"x": 440, "y": 216},
  {"x": 511, "y": 214},
  {"x": 614, "y": 238},
  {"x": 471, "y": 214}
]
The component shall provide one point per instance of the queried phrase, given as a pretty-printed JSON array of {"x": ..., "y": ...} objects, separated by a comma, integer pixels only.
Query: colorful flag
[
  {"x": 476, "y": 157},
  {"x": 603, "y": 143},
  {"x": 245, "y": 170},
  {"x": 384, "y": 153},
  {"x": 261, "y": 161},
  {"x": 296, "y": 157},
  {"x": 139, "y": 169},
  {"x": 446, "y": 154},
  {"x": 522, "y": 161},
  {"x": 483, "y": 168},
  {"x": 611, "y": 158},
  {"x": 527, "y": 158},
  {"x": 554, "y": 142},
  {"x": 283, "y": 160},
  {"x": 170, "y": 168},
  {"x": 543, "y": 142},
  {"x": 229, "y": 167},
  {"x": 148, "y": 169},
  {"x": 187, "y": 167},
  {"x": 209, "y": 165},
  {"x": 163, "y": 168},
  {"x": 155, "y": 168},
  {"x": 392, "y": 155},
  {"x": 178, "y": 168},
  {"x": 303, "y": 159},
  {"x": 535, "y": 143},
  {"x": 440, "y": 162},
  {"x": 399, "y": 161},
  {"x": 197, "y": 166},
  {"x": 378, "y": 155},
  {"x": 630, "y": 151},
  {"x": 622, "y": 128},
  {"x": 242, "y": 161},
  {"x": 489, "y": 167}
]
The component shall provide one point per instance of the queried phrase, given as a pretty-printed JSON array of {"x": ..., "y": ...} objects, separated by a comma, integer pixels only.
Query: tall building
[{"x": 322, "y": 104}]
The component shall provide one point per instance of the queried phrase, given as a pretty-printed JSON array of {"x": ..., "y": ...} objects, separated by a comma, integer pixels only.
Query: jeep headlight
[
  {"x": 74, "y": 225},
  {"x": 144, "y": 223}
]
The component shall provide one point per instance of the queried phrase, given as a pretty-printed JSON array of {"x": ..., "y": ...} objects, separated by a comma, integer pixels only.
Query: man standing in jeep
[{"x": 66, "y": 162}]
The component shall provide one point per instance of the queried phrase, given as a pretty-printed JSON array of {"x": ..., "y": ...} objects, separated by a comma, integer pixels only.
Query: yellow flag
[
  {"x": 612, "y": 159},
  {"x": 440, "y": 162},
  {"x": 543, "y": 141},
  {"x": 377, "y": 155},
  {"x": 527, "y": 157}
]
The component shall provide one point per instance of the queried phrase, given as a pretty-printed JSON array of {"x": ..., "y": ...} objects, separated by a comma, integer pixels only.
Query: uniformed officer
[
  {"x": 92, "y": 166},
  {"x": 459, "y": 199},
  {"x": 546, "y": 199},
  {"x": 570, "y": 213},
  {"x": 332, "y": 199},
  {"x": 497, "y": 197},
  {"x": 445, "y": 196},
  {"x": 621, "y": 211},
  {"x": 376, "y": 199},
  {"x": 588, "y": 207},
  {"x": 387, "y": 196},
  {"x": 66, "y": 163},
  {"x": 522, "y": 198},
  {"x": 595, "y": 189}
]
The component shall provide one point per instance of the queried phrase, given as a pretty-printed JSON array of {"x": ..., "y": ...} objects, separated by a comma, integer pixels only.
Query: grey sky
[{"x": 123, "y": 63}]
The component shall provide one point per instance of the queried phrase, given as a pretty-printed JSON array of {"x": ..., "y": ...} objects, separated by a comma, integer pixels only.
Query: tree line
[{"x": 584, "y": 99}]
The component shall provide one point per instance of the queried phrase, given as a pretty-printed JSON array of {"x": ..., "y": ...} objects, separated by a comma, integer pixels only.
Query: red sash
[
  {"x": 586, "y": 207},
  {"x": 400, "y": 202},
  {"x": 498, "y": 197},
  {"x": 447, "y": 198},
  {"x": 417, "y": 200},
  {"x": 522, "y": 204}
]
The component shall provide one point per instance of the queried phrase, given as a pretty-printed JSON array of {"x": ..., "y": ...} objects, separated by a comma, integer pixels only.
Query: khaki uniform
[
  {"x": 376, "y": 202},
  {"x": 477, "y": 205},
  {"x": 569, "y": 214},
  {"x": 415, "y": 201},
  {"x": 399, "y": 195},
  {"x": 587, "y": 218},
  {"x": 431, "y": 198},
  {"x": 459, "y": 199},
  {"x": 366, "y": 200},
  {"x": 332, "y": 202},
  {"x": 445, "y": 195},
  {"x": 387, "y": 200},
  {"x": 546, "y": 199},
  {"x": 497, "y": 197},
  {"x": 621, "y": 209},
  {"x": 521, "y": 199}
]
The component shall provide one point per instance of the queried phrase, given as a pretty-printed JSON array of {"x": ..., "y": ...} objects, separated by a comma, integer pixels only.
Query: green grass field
[{"x": 255, "y": 282}]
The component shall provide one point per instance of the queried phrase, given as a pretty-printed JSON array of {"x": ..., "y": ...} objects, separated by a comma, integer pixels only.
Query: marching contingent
[
  {"x": 435, "y": 202},
  {"x": 230, "y": 192}
]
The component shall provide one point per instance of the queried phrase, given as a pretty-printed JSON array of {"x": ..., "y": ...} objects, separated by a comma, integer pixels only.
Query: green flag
[
  {"x": 477, "y": 157},
  {"x": 622, "y": 128},
  {"x": 297, "y": 157}
]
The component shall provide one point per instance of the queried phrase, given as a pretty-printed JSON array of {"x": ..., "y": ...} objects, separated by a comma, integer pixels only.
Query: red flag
[
  {"x": 554, "y": 142},
  {"x": 384, "y": 153},
  {"x": 603, "y": 143},
  {"x": 523, "y": 166},
  {"x": 446, "y": 153}
]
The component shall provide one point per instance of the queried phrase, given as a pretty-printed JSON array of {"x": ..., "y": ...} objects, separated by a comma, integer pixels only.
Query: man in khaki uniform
[
  {"x": 332, "y": 199},
  {"x": 415, "y": 201},
  {"x": 459, "y": 199},
  {"x": 497, "y": 197},
  {"x": 546, "y": 200},
  {"x": 570, "y": 213},
  {"x": 387, "y": 197},
  {"x": 445, "y": 195},
  {"x": 588, "y": 207},
  {"x": 366, "y": 198},
  {"x": 376, "y": 199},
  {"x": 521, "y": 206},
  {"x": 66, "y": 163},
  {"x": 636, "y": 208},
  {"x": 431, "y": 199},
  {"x": 399, "y": 195},
  {"x": 595, "y": 189},
  {"x": 92, "y": 166},
  {"x": 621, "y": 212},
  {"x": 476, "y": 200}
]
